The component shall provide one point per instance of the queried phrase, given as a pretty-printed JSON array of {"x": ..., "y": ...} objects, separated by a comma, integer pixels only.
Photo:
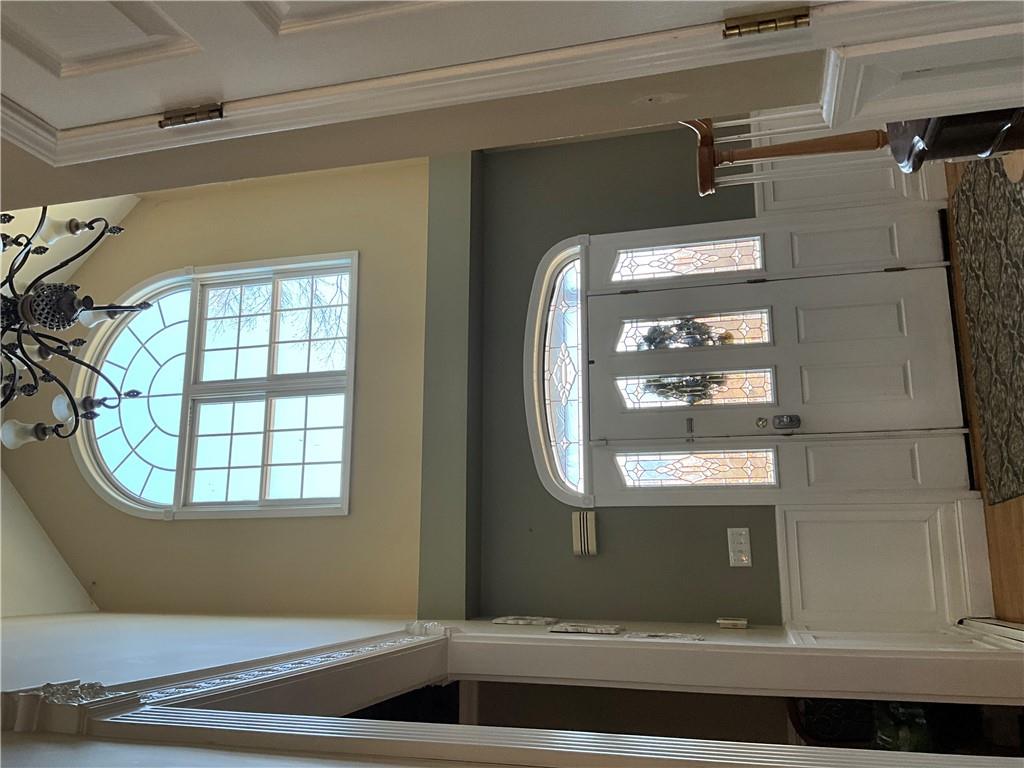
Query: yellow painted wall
[
  {"x": 35, "y": 578},
  {"x": 365, "y": 563}
]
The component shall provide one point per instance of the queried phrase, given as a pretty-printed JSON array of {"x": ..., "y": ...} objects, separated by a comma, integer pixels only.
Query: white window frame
[
  {"x": 533, "y": 371},
  {"x": 199, "y": 279}
]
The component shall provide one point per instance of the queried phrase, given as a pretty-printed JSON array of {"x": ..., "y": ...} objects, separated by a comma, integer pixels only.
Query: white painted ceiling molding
[
  {"x": 849, "y": 27},
  {"x": 158, "y": 37},
  {"x": 281, "y": 18},
  {"x": 949, "y": 72}
]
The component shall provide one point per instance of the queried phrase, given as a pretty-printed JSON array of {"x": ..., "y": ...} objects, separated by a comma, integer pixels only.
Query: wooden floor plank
[{"x": 1005, "y": 526}]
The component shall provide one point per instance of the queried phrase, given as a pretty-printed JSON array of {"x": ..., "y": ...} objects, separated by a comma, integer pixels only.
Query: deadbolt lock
[{"x": 761, "y": 422}]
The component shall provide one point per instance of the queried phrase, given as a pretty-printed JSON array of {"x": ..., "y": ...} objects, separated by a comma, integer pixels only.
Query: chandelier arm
[
  {"x": 67, "y": 356},
  {"x": 39, "y": 336},
  {"x": 23, "y": 356},
  {"x": 13, "y": 389},
  {"x": 122, "y": 307},
  {"x": 25, "y": 360},
  {"x": 52, "y": 376},
  {"x": 19, "y": 261},
  {"x": 96, "y": 241}
]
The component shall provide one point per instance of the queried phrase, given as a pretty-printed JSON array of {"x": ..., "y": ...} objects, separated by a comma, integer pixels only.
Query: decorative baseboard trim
[
  {"x": 262, "y": 674},
  {"x": 833, "y": 25},
  {"x": 67, "y": 707},
  {"x": 58, "y": 707}
]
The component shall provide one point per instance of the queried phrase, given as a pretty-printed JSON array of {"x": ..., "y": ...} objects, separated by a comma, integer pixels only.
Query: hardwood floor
[
  {"x": 1004, "y": 523},
  {"x": 1005, "y": 526}
]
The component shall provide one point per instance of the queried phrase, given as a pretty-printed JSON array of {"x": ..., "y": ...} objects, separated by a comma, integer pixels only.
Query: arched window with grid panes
[{"x": 245, "y": 375}]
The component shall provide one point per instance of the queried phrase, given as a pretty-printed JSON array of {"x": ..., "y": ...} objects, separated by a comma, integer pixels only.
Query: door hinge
[
  {"x": 192, "y": 115},
  {"x": 790, "y": 18}
]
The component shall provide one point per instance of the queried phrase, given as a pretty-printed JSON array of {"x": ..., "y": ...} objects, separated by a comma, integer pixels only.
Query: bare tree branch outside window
[{"x": 310, "y": 310}]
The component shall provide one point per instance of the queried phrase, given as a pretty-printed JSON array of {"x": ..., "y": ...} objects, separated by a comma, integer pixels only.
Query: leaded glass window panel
[
  {"x": 712, "y": 257},
  {"x": 746, "y": 327},
  {"x": 752, "y": 467},
  {"x": 713, "y": 388},
  {"x": 140, "y": 450},
  {"x": 563, "y": 398}
]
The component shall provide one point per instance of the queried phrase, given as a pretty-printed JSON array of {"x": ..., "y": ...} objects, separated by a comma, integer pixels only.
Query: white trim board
[
  {"x": 950, "y": 72},
  {"x": 769, "y": 663},
  {"x": 487, "y": 744},
  {"x": 832, "y": 25},
  {"x": 882, "y": 566}
]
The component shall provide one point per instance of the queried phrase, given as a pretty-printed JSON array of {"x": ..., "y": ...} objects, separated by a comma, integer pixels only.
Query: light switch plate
[{"x": 739, "y": 547}]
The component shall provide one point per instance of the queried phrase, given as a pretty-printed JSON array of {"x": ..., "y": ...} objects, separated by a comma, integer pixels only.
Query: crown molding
[
  {"x": 832, "y": 26},
  {"x": 26, "y": 130}
]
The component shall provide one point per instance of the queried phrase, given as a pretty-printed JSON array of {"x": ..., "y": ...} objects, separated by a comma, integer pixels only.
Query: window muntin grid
[
  {"x": 311, "y": 319},
  {"x": 236, "y": 333},
  {"x": 303, "y": 319},
  {"x": 300, "y": 456},
  {"x": 710, "y": 388},
  {"x": 139, "y": 449},
  {"x": 726, "y": 328},
  {"x": 689, "y": 259},
  {"x": 196, "y": 478},
  {"x": 562, "y": 374},
  {"x": 750, "y": 467}
]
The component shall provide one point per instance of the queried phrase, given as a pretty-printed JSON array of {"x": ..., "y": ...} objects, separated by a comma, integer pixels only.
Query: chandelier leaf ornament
[{"x": 30, "y": 317}]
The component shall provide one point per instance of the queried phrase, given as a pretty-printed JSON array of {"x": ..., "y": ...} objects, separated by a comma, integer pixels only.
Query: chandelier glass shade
[{"x": 33, "y": 311}]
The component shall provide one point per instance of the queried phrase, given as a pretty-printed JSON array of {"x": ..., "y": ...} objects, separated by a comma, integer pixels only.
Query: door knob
[{"x": 786, "y": 421}]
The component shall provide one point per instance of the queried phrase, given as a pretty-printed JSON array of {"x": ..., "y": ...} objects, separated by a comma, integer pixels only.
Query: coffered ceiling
[
  {"x": 89, "y": 81},
  {"x": 75, "y": 64}
]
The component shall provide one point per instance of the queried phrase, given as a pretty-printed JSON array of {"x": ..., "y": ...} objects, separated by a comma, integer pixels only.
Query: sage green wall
[
  {"x": 663, "y": 563},
  {"x": 450, "y": 496}
]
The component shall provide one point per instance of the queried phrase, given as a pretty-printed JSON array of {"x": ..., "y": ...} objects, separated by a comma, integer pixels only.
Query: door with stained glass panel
[{"x": 843, "y": 353}]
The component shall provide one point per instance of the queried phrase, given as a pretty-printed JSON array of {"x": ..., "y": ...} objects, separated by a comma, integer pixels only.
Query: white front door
[{"x": 843, "y": 354}]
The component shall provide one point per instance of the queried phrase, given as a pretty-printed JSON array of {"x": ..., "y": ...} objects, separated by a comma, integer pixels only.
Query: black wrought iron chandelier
[{"x": 31, "y": 315}]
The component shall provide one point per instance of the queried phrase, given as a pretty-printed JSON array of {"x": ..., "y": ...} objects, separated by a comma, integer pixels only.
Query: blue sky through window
[{"x": 138, "y": 442}]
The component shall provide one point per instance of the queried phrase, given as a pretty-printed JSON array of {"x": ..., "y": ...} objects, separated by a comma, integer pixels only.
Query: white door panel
[
  {"x": 792, "y": 244},
  {"x": 884, "y": 566},
  {"x": 848, "y": 353},
  {"x": 852, "y": 467}
]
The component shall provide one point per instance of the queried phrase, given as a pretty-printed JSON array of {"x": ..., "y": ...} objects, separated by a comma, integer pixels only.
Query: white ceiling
[{"x": 81, "y": 63}]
